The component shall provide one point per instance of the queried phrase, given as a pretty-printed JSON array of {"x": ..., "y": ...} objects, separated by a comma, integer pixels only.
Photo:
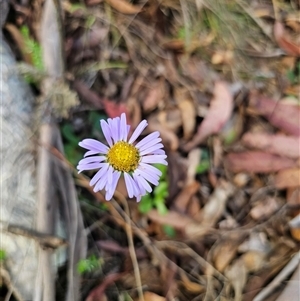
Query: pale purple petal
[
  {"x": 128, "y": 183},
  {"x": 109, "y": 175},
  {"x": 140, "y": 190},
  {"x": 150, "y": 169},
  {"x": 115, "y": 129},
  {"x": 106, "y": 132},
  {"x": 91, "y": 160},
  {"x": 90, "y": 166},
  {"x": 135, "y": 186},
  {"x": 142, "y": 182},
  {"x": 90, "y": 153},
  {"x": 138, "y": 198},
  {"x": 93, "y": 145},
  {"x": 152, "y": 178},
  {"x": 138, "y": 131},
  {"x": 123, "y": 127},
  {"x": 151, "y": 149},
  {"x": 148, "y": 138},
  {"x": 159, "y": 152},
  {"x": 150, "y": 144},
  {"x": 100, "y": 184},
  {"x": 155, "y": 159},
  {"x": 99, "y": 174},
  {"x": 110, "y": 192}
]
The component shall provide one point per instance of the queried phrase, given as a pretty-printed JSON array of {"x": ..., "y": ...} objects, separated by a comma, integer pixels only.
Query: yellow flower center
[{"x": 123, "y": 157}]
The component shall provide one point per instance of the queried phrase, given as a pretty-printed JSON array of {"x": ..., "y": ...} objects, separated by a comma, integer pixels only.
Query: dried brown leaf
[
  {"x": 264, "y": 209},
  {"x": 191, "y": 286},
  {"x": 284, "y": 41},
  {"x": 124, "y": 7},
  {"x": 182, "y": 200},
  {"x": 167, "y": 124},
  {"x": 188, "y": 112},
  {"x": 98, "y": 293},
  {"x": 288, "y": 178},
  {"x": 214, "y": 208},
  {"x": 154, "y": 97},
  {"x": 149, "y": 296},
  {"x": 275, "y": 144},
  {"x": 237, "y": 276},
  {"x": 282, "y": 115},
  {"x": 224, "y": 253},
  {"x": 255, "y": 161},
  {"x": 219, "y": 112},
  {"x": 172, "y": 218},
  {"x": 254, "y": 260}
]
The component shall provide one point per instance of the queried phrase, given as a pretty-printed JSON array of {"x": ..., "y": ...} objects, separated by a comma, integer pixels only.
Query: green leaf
[
  {"x": 68, "y": 134},
  {"x": 89, "y": 264},
  {"x": 169, "y": 231},
  {"x": 32, "y": 47},
  {"x": 90, "y": 21},
  {"x": 163, "y": 169},
  {"x": 76, "y": 6},
  {"x": 161, "y": 189},
  {"x": 146, "y": 204},
  {"x": 3, "y": 255},
  {"x": 160, "y": 205},
  {"x": 203, "y": 167}
]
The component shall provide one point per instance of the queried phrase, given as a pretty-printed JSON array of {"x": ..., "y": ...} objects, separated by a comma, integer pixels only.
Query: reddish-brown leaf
[
  {"x": 124, "y": 7},
  {"x": 282, "y": 115},
  {"x": 282, "y": 145},
  {"x": 98, "y": 293},
  {"x": 288, "y": 178},
  {"x": 256, "y": 161},
  {"x": 219, "y": 112},
  {"x": 284, "y": 41}
]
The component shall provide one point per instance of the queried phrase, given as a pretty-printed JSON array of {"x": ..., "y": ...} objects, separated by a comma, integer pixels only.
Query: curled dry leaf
[
  {"x": 149, "y": 296},
  {"x": 254, "y": 260},
  {"x": 190, "y": 286},
  {"x": 124, "y": 7},
  {"x": 275, "y": 144},
  {"x": 98, "y": 293},
  {"x": 219, "y": 112},
  {"x": 288, "y": 178},
  {"x": 237, "y": 276},
  {"x": 188, "y": 111},
  {"x": 211, "y": 212},
  {"x": 256, "y": 161},
  {"x": 154, "y": 97},
  {"x": 171, "y": 218},
  {"x": 264, "y": 209},
  {"x": 182, "y": 200},
  {"x": 284, "y": 41},
  {"x": 167, "y": 123},
  {"x": 224, "y": 253},
  {"x": 285, "y": 116}
]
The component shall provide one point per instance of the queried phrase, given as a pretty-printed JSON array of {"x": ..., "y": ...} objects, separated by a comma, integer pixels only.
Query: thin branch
[{"x": 132, "y": 250}]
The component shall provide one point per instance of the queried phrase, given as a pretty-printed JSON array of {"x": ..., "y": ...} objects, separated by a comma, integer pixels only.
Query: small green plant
[
  {"x": 89, "y": 264},
  {"x": 33, "y": 48},
  {"x": 204, "y": 163},
  {"x": 3, "y": 255},
  {"x": 294, "y": 75},
  {"x": 157, "y": 198},
  {"x": 169, "y": 231}
]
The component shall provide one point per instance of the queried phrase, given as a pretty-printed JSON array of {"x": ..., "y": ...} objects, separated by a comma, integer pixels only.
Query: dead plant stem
[{"x": 132, "y": 251}]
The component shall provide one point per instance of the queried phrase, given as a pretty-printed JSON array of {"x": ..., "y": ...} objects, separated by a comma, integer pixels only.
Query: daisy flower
[{"x": 123, "y": 157}]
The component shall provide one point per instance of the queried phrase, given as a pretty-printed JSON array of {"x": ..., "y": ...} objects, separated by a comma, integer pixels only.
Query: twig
[
  {"x": 132, "y": 250},
  {"x": 11, "y": 289},
  {"x": 285, "y": 272}
]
